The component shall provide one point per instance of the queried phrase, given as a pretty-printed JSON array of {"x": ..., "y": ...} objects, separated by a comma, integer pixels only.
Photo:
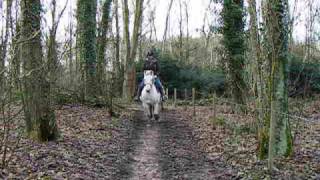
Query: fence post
[
  {"x": 174, "y": 97},
  {"x": 214, "y": 106},
  {"x": 193, "y": 101},
  {"x": 185, "y": 94},
  {"x": 167, "y": 93}
]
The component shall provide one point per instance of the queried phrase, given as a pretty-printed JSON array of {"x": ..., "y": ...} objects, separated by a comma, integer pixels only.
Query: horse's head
[{"x": 148, "y": 80}]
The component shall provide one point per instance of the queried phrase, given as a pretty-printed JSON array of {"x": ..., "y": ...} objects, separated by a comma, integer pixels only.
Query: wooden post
[
  {"x": 175, "y": 97},
  {"x": 214, "y": 106},
  {"x": 193, "y": 101},
  {"x": 185, "y": 94},
  {"x": 167, "y": 93}
]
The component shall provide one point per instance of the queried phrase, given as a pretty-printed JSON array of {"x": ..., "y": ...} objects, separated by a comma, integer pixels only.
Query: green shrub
[
  {"x": 175, "y": 74},
  {"x": 218, "y": 121},
  {"x": 244, "y": 129},
  {"x": 304, "y": 77}
]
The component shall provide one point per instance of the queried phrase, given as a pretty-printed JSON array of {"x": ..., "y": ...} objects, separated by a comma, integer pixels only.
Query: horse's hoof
[{"x": 156, "y": 117}]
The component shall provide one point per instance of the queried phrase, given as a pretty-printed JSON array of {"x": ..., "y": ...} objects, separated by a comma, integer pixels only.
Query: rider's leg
[
  {"x": 140, "y": 87},
  {"x": 159, "y": 87}
]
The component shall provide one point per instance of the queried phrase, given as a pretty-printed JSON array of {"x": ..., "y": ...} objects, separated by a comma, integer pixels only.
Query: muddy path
[{"x": 167, "y": 150}]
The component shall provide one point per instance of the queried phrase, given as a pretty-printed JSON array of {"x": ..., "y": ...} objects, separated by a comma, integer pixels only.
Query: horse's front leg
[
  {"x": 156, "y": 111},
  {"x": 146, "y": 109},
  {"x": 151, "y": 112}
]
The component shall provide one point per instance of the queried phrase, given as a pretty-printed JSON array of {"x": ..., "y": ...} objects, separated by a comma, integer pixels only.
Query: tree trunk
[
  {"x": 129, "y": 70},
  {"x": 52, "y": 56},
  {"x": 86, "y": 16},
  {"x": 166, "y": 26},
  {"x": 117, "y": 64},
  {"x": 102, "y": 42},
  {"x": 180, "y": 34},
  {"x": 126, "y": 36},
  {"x": 4, "y": 46},
  {"x": 40, "y": 118},
  {"x": 136, "y": 28},
  {"x": 280, "y": 138},
  {"x": 135, "y": 42},
  {"x": 233, "y": 40},
  {"x": 187, "y": 35},
  {"x": 258, "y": 81},
  {"x": 70, "y": 44},
  {"x": 16, "y": 62}
]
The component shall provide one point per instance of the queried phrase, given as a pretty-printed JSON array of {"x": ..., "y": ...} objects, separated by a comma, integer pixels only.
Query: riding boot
[
  {"x": 163, "y": 97},
  {"x": 138, "y": 94}
]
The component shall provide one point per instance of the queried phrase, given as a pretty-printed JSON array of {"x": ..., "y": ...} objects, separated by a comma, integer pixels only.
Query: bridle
[{"x": 150, "y": 83}]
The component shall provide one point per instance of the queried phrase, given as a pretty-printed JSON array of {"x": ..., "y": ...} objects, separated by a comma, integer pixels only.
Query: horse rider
[{"x": 151, "y": 63}]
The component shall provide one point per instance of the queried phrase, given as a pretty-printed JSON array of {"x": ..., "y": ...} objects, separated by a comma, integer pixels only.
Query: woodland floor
[{"x": 95, "y": 146}]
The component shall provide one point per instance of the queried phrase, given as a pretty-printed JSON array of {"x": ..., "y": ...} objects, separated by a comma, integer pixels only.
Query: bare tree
[
  {"x": 40, "y": 118},
  {"x": 15, "y": 60},
  {"x": 187, "y": 49},
  {"x": 127, "y": 63},
  {"x": 280, "y": 138},
  {"x": 70, "y": 45},
  {"x": 180, "y": 46},
  {"x": 312, "y": 13},
  {"x": 4, "y": 45},
  {"x": 102, "y": 42},
  {"x": 164, "y": 39},
  {"x": 117, "y": 64},
  {"x": 258, "y": 75},
  {"x": 131, "y": 49},
  {"x": 52, "y": 56},
  {"x": 151, "y": 21}
]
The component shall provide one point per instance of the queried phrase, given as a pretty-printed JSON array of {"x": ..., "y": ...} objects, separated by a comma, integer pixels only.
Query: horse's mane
[{"x": 149, "y": 72}]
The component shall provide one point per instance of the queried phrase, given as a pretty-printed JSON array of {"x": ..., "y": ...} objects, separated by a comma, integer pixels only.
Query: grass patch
[
  {"x": 218, "y": 121},
  {"x": 243, "y": 129},
  {"x": 238, "y": 129}
]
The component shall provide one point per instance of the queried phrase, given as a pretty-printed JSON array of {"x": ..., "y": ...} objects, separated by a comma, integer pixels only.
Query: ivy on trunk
[
  {"x": 40, "y": 118},
  {"x": 233, "y": 41}
]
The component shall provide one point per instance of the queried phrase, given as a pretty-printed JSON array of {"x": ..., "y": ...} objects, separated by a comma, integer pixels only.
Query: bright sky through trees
[{"x": 198, "y": 9}]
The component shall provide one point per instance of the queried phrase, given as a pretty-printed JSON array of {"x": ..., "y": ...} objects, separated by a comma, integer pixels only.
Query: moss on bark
[
  {"x": 86, "y": 44},
  {"x": 280, "y": 138},
  {"x": 39, "y": 117}
]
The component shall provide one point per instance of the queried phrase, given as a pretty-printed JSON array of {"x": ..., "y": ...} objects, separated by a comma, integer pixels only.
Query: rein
[
  {"x": 150, "y": 81},
  {"x": 151, "y": 84}
]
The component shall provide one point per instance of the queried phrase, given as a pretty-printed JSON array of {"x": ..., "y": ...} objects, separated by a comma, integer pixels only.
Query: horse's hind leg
[{"x": 162, "y": 106}]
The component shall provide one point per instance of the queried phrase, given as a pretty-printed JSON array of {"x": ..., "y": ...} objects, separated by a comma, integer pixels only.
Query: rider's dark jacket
[{"x": 151, "y": 63}]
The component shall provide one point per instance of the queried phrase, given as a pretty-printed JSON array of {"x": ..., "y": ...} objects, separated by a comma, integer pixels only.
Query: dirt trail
[
  {"x": 146, "y": 155},
  {"x": 95, "y": 146},
  {"x": 167, "y": 150}
]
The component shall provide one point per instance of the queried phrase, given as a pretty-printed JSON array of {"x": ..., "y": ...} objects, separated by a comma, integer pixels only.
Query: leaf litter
[
  {"x": 231, "y": 138},
  {"x": 90, "y": 146},
  {"x": 95, "y": 146}
]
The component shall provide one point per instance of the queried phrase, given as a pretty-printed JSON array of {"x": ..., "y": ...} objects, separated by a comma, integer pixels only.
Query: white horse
[{"x": 150, "y": 96}]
